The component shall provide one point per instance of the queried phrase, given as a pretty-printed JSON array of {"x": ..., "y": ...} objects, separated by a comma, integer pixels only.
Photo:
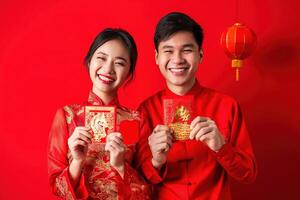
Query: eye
[
  {"x": 120, "y": 63},
  {"x": 187, "y": 50},
  {"x": 167, "y": 51},
  {"x": 101, "y": 58}
]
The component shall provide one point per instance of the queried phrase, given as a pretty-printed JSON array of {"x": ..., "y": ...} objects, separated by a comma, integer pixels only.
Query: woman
[{"x": 80, "y": 167}]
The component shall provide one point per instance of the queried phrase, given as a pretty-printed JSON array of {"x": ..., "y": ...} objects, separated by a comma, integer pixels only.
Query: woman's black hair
[{"x": 111, "y": 34}]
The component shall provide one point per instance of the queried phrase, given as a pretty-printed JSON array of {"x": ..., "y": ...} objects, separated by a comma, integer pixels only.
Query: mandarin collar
[
  {"x": 95, "y": 100},
  {"x": 196, "y": 89}
]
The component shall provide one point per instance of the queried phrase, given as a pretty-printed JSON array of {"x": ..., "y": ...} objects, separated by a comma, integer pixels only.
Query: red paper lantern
[{"x": 238, "y": 42}]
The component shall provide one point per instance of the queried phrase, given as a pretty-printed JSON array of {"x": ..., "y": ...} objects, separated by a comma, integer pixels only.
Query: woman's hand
[
  {"x": 78, "y": 143},
  {"x": 114, "y": 145}
]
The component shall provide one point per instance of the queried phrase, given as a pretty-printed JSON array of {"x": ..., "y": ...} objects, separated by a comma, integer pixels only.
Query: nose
[
  {"x": 108, "y": 67},
  {"x": 177, "y": 58}
]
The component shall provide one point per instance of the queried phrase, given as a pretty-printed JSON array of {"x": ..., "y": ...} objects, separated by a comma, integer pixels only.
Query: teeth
[
  {"x": 177, "y": 69},
  {"x": 105, "y": 78}
]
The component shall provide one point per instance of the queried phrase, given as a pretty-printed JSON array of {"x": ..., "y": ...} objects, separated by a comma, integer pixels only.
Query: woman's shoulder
[
  {"x": 73, "y": 108},
  {"x": 70, "y": 111}
]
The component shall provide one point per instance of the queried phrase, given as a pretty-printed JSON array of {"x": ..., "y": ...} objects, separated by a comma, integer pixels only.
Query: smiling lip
[
  {"x": 106, "y": 79},
  {"x": 178, "y": 70}
]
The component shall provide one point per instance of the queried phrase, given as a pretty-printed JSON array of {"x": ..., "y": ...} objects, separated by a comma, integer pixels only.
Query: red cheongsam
[{"x": 98, "y": 180}]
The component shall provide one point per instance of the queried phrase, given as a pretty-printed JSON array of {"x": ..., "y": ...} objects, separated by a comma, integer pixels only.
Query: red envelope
[
  {"x": 101, "y": 120},
  {"x": 178, "y": 114},
  {"x": 130, "y": 131}
]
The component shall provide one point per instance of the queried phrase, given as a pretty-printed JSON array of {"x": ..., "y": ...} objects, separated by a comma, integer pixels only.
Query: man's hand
[
  {"x": 205, "y": 130},
  {"x": 160, "y": 142}
]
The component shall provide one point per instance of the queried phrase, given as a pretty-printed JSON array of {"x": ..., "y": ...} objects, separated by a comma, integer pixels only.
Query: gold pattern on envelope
[
  {"x": 181, "y": 126},
  {"x": 101, "y": 121},
  {"x": 99, "y": 126},
  {"x": 182, "y": 114}
]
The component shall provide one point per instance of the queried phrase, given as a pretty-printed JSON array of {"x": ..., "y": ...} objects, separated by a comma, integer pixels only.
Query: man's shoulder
[
  {"x": 156, "y": 97},
  {"x": 217, "y": 95}
]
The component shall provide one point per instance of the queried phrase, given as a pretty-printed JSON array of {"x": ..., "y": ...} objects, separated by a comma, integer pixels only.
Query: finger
[
  {"x": 197, "y": 128},
  {"x": 197, "y": 120},
  {"x": 106, "y": 148},
  {"x": 77, "y": 132},
  {"x": 203, "y": 132},
  {"x": 79, "y": 142},
  {"x": 82, "y": 128},
  {"x": 117, "y": 140},
  {"x": 117, "y": 149},
  {"x": 116, "y": 145},
  {"x": 168, "y": 147},
  {"x": 161, "y": 128},
  {"x": 160, "y": 138},
  {"x": 203, "y": 138},
  {"x": 210, "y": 121},
  {"x": 86, "y": 134},
  {"x": 164, "y": 133},
  {"x": 84, "y": 138},
  {"x": 160, "y": 148},
  {"x": 109, "y": 147},
  {"x": 164, "y": 139},
  {"x": 115, "y": 134},
  {"x": 152, "y": 145}
]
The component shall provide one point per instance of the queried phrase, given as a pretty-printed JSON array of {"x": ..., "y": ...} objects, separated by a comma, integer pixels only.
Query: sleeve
[
  {"x": 144, "y": 154},
  {"x": 58, "y": 165},
  {"x": 236, "y": 156},
  {"x": 133, "y": 186}
]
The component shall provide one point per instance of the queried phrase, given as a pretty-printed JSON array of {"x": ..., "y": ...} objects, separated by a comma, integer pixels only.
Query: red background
[{"x": 42, "y": 45}]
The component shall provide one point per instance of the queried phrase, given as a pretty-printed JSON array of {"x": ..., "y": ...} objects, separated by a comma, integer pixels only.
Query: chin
[
  {"x": 106, "y": 89},
  {"x": 178, "y": 83}
]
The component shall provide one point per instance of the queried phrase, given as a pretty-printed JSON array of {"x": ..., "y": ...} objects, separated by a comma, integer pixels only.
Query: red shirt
[
  {"x": 98, "y": 180},
  {"x": 193, "y": 171}
]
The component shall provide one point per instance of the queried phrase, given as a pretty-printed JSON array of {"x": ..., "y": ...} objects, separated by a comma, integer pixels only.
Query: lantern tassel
[
  {"x": 237, "y": 74},
  {"x": 237, "y": 64}
]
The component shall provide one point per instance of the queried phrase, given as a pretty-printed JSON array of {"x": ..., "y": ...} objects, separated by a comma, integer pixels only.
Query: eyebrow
[
  {"x": 189, "y": 45},
  {"x": 184, "y": 46},
  {"x": 100, "y": 52},
  {"x": 167, "y": 47},
  {"x": 121, "y": 58}
]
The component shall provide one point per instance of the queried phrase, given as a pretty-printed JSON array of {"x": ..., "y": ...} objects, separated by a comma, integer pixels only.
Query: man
[{"x": 197, "y": 165}]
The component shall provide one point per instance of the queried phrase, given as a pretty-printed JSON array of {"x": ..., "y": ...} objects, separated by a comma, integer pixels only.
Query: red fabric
[
  {"x": 193, "y": 171},
  {"x": 99, "y": 180}
]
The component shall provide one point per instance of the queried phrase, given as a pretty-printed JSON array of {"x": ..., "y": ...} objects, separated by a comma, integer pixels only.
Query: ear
[
  {"x": 201, "y": 55},
  {"x": 156, "y": 57},
  {"x": 88, "y": 66}
]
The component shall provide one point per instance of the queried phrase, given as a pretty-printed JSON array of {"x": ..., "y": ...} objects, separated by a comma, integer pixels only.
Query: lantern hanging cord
[{"x": 237, "y": 10}]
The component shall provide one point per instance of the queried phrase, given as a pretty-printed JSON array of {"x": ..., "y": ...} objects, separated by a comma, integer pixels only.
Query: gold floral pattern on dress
[
  {"x": 63, "y": 189},
  {"x": 69, "y": 114},
  {"x": 99, "y": 176}
]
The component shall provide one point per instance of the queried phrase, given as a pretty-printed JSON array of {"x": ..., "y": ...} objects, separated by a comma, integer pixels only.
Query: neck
[
  {"x": 106, "y": 97},
  {"x": 181, "y": 89}
]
